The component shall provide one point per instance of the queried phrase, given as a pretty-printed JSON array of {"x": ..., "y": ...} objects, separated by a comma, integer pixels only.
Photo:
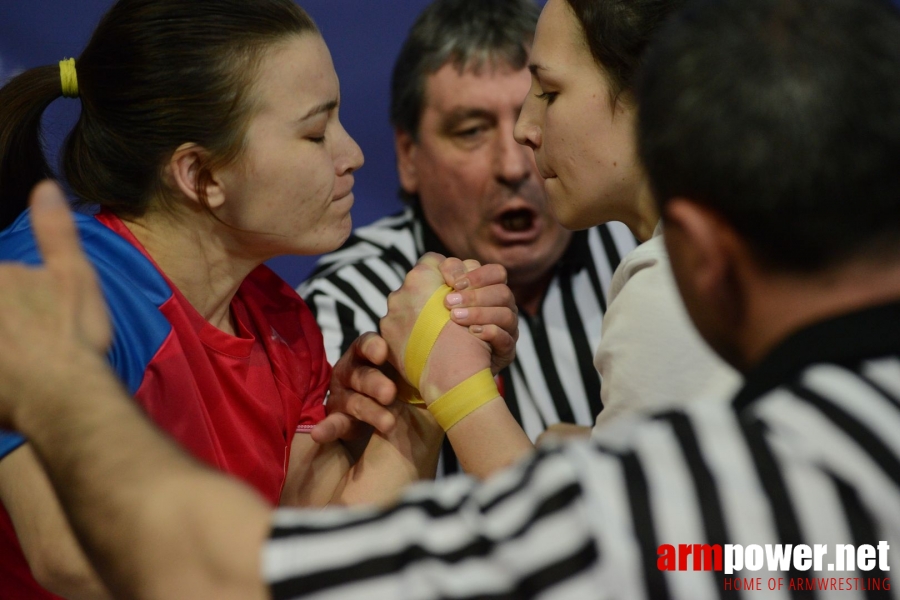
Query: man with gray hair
[{"x": 474, "y": 193}]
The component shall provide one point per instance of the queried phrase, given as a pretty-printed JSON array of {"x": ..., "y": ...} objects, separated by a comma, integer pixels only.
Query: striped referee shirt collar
[
  {"x": 575, "y": 258},
  {"x": 845, "y": 340}
]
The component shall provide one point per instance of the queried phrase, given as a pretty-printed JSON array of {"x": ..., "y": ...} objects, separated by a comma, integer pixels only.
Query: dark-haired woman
[
  {"x": 579, "y": 118},
  {"x": 208, "y": 142}
]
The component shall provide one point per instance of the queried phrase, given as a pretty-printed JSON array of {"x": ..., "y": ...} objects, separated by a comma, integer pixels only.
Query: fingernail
[
  {"x": 461, "y": 284},
  {"x": 454, "y": 299},
  {"x": 476, "y": 328},
  {"x": 460, "y": 313}
]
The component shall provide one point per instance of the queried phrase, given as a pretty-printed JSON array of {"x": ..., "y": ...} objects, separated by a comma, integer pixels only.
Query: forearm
[
  {"x": 53, "y": 554},
  {"x": 139, "y": 506},
  {"x": 489, "y": 438}
]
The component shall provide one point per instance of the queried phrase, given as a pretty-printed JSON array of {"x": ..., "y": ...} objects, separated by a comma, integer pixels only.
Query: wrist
[{"x": 457, "y": 355}]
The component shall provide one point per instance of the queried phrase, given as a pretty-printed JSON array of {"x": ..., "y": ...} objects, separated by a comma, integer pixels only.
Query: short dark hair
[
  {"x": 467, "y": 33},
  {"x": 784, "y": 117},
  {"x": 155, "y": 74},
  {"x": 618, "y": 32}
]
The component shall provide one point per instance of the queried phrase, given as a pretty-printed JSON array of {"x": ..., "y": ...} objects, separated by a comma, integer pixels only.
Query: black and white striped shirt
[
  {"x": 553, "y": 377},
  {"x": 807, "y": 453}
]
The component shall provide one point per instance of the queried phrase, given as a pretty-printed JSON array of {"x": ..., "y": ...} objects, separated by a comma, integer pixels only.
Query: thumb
[{"x": 53, "y": 226}]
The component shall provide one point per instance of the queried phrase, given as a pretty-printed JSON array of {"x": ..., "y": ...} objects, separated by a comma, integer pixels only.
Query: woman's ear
[{"x": 188, "y": 172}]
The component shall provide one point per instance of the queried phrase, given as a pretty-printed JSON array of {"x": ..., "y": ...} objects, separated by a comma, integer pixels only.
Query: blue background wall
[{"x": 364, "y": 37}]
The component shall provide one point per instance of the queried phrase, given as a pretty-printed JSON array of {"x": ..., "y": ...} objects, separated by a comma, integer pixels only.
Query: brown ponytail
[{"x": 22, "y": 161}]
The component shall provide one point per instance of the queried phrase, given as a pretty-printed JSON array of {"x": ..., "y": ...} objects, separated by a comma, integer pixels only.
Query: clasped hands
[{"x": 481, "y": 334}]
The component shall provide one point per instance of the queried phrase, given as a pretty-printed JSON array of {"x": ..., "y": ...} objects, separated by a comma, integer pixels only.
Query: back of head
[
  {"x": 155, "y": 74},
  {"x": 466, "y": 33},
  {"x": 784, "y": 117}
]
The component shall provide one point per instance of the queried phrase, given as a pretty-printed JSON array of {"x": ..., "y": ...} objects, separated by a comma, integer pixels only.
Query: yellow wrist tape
[
  {"x": 425, "y": 333},
  {"x": 464, "y": 398}
]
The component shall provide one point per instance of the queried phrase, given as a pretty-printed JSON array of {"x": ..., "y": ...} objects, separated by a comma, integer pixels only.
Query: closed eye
[{"x": 470, "y": 132}]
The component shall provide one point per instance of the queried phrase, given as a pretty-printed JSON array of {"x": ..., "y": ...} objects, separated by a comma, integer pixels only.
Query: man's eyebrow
[
  {"x": 324, "y": 107},
  {"x": 533, "y": 68}
]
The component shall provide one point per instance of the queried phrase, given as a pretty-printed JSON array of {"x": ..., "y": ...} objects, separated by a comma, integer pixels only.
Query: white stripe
[
  {"x": 374, "y": 299},
  {"x": 528, "y": 413},
  {"x": 332, "y": 336},
  {"x": 674, "y": 505},
  {"x": 622, "y": 236},
  {"x": 885, "y": 373},
  {"x": 565, "y": 360},
  {"x": 391, "y": 278},
  {"x": 534, "y": 375},
  {"x": 746, "y": 510},
  {"x": 858, "y": 399},
  {"x": 601, "y": 260},
  {"x": 609, "y": 516},
  {"x": 813, "y": 437},
  {"x": 588, "y": 308}
]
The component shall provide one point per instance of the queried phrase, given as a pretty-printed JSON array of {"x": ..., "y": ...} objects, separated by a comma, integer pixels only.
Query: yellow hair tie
[
  {"x": 68, "y": 78},
  {"x": 464, "y": 398},
  {"x": 425, "y": 333}
]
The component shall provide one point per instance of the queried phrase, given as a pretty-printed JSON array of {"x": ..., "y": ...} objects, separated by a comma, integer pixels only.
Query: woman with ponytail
[{"x": 208, "y": 143}]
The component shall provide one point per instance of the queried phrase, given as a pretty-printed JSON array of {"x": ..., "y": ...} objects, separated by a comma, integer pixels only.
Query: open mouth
[{"x": 517, "y": 220}]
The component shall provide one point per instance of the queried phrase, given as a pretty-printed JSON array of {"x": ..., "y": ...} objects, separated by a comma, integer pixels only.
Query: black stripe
[
  {"x": 373, "y": 278},
  {"x": 429, "y": 506},
  {"x": 704, "y": 486},
  {"x": 545, "y": 358},
  {"x": 311, "y": 304},
  {"x": 772, "y": 481},
  {"x": 354, "y": 296},
  {"x": 510, "y": 395},
  {"x": 544, "y": 455},
  {"x": 644, "y": 528},
  {"x": 864, "y": 437},
  {"x": 551, "y": 575},
  {"x": 891, "y": 398},
  {"x": 480, "y": 546},
  {"x": 450, "y": 462},
  {"x": 862, "y": 528},
  {"x": 346, "y": 317},
  {"x": 609, "y": 244},
  {"x": 329, "y": 261},
  {"x": 583, "y": 351},
  {"x": 393, "y": 255}
]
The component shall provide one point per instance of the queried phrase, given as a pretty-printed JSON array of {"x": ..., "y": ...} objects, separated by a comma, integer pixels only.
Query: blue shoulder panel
[{"x": 133, "y": 288}]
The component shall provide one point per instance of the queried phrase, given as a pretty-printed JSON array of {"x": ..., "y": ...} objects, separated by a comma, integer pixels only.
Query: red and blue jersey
[{"x": 233, "y": 401}]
